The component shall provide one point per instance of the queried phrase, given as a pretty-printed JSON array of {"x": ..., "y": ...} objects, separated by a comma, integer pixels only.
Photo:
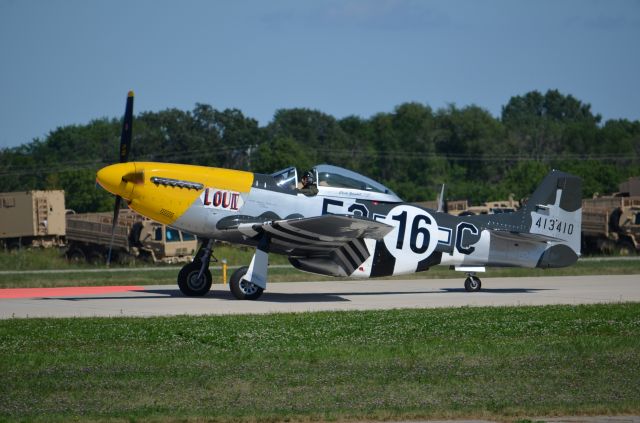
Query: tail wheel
[
  {"x": 472, "y": 284},
  {"x": 241, "y": 288},
  {"x": 190, "y": 284}
]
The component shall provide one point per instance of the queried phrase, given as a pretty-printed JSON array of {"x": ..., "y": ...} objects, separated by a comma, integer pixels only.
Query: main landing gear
[
  {"x": 194, "y": 279},
  {"x": 241, "y": 288},
  {"x": 472, "y": 283},
  {"x": 246, "y": 283}
]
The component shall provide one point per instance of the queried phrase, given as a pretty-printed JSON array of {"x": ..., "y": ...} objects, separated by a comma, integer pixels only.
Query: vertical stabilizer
[{"x": 555, "y": 210}]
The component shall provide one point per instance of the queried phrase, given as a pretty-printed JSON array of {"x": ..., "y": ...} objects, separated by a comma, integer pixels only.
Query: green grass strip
[
  {"x": 504, "y": 363},
  {"x": 16, "y": 270}
]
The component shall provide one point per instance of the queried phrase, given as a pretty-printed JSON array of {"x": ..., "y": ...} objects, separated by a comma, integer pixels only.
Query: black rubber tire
[
  {"x": 189, "y": 285},
  {"x": 242, "y": 289},
  {"x": 14, "y": 246},
  {"x": 472, "y": 284},
  {"x": 95, "y": 258},
  {"x": 625, "y": 248},
  {"x": 76, "y": 256}
]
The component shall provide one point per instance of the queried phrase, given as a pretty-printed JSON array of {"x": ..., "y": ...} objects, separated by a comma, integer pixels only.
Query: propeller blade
[
  {"x": 125, "y": 147},
  {"x": 125, "y": 137}
]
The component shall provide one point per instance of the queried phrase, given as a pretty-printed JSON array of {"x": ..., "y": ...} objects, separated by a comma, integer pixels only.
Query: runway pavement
[{"x": 316, "y": 296}]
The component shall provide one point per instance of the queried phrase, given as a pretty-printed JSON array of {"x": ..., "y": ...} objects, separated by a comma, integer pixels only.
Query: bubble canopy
[{"x": 337, "y": 181}]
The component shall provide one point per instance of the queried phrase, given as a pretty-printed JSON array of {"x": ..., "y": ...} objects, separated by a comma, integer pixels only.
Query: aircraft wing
[
  {"x": 326, "y": 231},
  {"x": 329, "y": 244}
]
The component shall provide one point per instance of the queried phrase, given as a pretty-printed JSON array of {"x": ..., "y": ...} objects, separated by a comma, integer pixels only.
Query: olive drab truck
[
  {"x": 32, "y": 219},
  {"x": 134, "y": 237},
  {"x": 490, "y": 207},
  {"x": 611, "y": 224}
]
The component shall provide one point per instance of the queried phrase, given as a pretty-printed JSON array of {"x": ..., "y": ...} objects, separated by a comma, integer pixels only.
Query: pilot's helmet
[{"x": 309, "y": 177}]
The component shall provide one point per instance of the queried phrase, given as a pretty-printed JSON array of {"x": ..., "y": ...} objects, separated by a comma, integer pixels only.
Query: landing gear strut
[
  {"x": 247, "y": 283},
  {"x": 472, "y": 283},
  {"x": 194, "y": 279}
]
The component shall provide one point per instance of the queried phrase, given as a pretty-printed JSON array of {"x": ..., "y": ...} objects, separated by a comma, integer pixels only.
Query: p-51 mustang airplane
[{"x": 352, "y": 227}]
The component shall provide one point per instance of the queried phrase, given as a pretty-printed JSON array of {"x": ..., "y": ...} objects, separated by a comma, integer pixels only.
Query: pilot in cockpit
[{"x": 309, "y": 187}]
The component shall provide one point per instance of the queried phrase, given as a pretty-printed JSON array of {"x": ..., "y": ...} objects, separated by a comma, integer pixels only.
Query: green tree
[
  {"x": 473, "y": 139},
  {"x": 523, "y": 178},
  {"x": 360, "y": 153},
  {"x": 281, "y": 153},
  {"x": 82, "y": 194},
  {"x": 543, "y": 126},
  {"x": 411, "y": 149},
  {"x": 319, "y": 133},
  {"x": 620, "y": 138}
]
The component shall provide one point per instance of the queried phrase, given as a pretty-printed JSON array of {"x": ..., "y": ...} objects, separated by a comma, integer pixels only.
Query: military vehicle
[
  {"x": 462, "y": 207},
  {"x": 134, "y": 237},
  {"x": 32, "y": 219},
  {"x": 492, "y": 207},
  {"x": 631, "y": 187},
  {"x": 611, "y": 225},
  {"x": 39, "y": 219}
]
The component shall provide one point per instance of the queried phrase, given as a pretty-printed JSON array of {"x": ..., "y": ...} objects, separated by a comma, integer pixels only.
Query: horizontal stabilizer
[{"x": 523, "y": 236}]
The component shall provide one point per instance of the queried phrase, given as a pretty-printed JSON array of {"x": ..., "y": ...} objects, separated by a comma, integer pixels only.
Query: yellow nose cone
[{"x": 110, "y": 178}]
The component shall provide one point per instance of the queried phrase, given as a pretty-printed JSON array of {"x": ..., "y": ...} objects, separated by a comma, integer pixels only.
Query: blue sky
[{"x": 68, "y": 62}]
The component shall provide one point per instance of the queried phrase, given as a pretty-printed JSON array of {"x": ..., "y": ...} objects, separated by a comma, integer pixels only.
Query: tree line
[{"x": 413, "y": 149}]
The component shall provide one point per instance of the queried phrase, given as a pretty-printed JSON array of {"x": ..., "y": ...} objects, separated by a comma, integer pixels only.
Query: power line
[{"x": 68, "y": 166}]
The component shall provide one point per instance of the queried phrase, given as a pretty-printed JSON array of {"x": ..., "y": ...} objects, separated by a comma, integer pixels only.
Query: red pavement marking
[{"x": 65, "y": 291}]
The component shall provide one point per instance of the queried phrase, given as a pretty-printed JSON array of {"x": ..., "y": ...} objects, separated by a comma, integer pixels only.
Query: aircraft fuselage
[{"x": 226, "y": 204}]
